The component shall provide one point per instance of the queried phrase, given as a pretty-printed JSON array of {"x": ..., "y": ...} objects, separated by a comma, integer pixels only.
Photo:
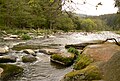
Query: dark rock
[
  {"x": 7, "y": 58},
  {"x": 28, "y": 58}
]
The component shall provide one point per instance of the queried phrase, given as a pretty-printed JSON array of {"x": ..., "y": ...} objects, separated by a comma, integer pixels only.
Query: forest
[{"x": 48, "y": 14}]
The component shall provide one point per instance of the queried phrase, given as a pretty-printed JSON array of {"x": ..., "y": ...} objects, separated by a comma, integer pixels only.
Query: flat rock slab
[{"x": 101, "y": 52}]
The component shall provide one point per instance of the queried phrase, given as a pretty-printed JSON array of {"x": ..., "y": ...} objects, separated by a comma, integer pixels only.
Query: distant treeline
[
  {"x": 46, "y": 14},
  {"x": 111, "y": 20}
]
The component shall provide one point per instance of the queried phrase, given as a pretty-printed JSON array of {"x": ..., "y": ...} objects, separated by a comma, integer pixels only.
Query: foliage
[
  {"x": 64, "y": 23},
  {"x": 26, "y": 37},
  {"x": 73, "y": 50},
  {"x": 88, "y": 25},
  {"x": 82, "y": 61}
]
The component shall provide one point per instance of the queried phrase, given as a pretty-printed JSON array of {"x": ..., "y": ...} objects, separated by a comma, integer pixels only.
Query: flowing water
[{"x": 43, "y": 69}]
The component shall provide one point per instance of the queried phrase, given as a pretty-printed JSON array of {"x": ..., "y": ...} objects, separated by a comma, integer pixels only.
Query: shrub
[{"x": 26, "y": 37}]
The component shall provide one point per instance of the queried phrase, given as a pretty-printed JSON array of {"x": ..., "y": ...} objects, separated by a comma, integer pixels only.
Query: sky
[{"x": 90, "y": 9}]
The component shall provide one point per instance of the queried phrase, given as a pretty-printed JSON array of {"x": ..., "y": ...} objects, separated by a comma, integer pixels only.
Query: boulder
[
  {"x": 29, "y": 51},
  {"x": 112, "y": 68},
  {"x": 101, "y": 52},
  {"x": 28, "y": 58},
  {"x": 49, "y": 51},
  {"x": 9, "y": 71},
  {"x": 4, "y": 50},
  {"x": 7, "y": 58},
  {"x": 90, "y": 73},
  {"x": 23, "y": 46},
  {"x": 65, "y": 59}
]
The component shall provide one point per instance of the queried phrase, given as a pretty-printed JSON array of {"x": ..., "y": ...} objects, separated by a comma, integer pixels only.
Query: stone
[
  {"x": 49, "y": 51},
  {"x": 10, "y": 71},
  {"x": 111, "y": 69},
  {"x": 7, "y": 58},
  {"x": 28, "y": 58},
  {"x": 101, "y": 52},
  {"x": 90, "y": 73},
  {"x": 29, "y": 51},
  {"x": 65, "y": 59},
  {"x": 4, "y": 50}
]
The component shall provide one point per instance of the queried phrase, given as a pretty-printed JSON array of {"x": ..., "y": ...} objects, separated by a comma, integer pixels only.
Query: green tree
[
  {"x": 64, "y": 23},
  {"x": 88, "y": 25}
]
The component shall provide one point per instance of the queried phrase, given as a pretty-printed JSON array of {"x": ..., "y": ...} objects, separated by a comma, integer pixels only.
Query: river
[{"x": 43, "y": 69}]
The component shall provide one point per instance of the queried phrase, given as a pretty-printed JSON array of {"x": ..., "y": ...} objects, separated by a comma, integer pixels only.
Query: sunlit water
[{"x": 43, "y": 69}]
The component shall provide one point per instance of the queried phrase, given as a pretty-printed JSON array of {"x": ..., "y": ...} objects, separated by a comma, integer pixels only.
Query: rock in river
[
  {"x": 10, "y": 71},
  {"x": 90, "y": 73},
  {"x": 63, "y": 58},
  {"x": 7, "y": 58},
  {"x": 4, "y": 50},
  {"x": 49, "y": 51},
  {"x": 28, "y": 58},
  {"x": 29, "y": 51}
]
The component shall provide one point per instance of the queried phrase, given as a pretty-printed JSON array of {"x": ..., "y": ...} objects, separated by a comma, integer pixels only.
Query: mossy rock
[
  {"x": 63, "y": 58},
  {"x": 82, "y": 61},
  {"x": 89, "y": 73},
  {"x": 25, "y": 46},
  {"x": 10, "y": 71},
  {"x": 28, "y": 58}
]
